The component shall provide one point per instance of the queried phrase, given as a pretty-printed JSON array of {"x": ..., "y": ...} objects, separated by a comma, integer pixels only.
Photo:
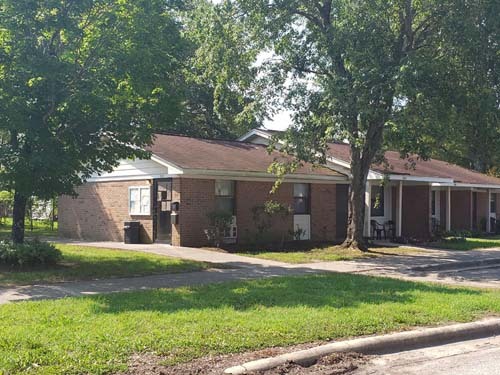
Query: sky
[{"x": 280, "y": 122}]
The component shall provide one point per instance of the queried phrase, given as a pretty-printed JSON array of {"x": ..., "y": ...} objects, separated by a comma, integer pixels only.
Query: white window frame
[{"x": 139, "y": 188}]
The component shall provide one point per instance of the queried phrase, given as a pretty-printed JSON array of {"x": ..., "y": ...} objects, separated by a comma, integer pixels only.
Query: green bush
[{"x": 31, "y": 253}]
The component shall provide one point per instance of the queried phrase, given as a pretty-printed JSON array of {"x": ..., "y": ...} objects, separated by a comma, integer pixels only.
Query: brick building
[
  {"x": 200, "y": 177},
  {"x": 173, "y": 193}
]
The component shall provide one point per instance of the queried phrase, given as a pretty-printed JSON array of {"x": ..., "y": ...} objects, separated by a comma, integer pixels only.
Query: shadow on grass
[
  {"x": 334, "y": 291},
  {"x": 75, "y": 268}
]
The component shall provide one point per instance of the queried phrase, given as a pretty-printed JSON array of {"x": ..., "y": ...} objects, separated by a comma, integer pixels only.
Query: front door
[{"x": 163, "y": 201}]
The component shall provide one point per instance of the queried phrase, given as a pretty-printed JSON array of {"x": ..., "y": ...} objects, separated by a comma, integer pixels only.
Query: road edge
[{"x": 390, "y": 343}]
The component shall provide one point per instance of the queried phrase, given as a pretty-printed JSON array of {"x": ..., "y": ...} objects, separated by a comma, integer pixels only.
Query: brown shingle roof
[
  {"x": 219, "y": 155},
  {"x": 423, "y": 168}
]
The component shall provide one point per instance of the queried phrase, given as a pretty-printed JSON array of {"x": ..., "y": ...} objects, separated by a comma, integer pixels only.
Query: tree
[
  {"x": 354, "y": 70},
  {"x": 220, "y": 93},
  {"x": 465, "y": 125},
  {"x": 83, "y": 83}
]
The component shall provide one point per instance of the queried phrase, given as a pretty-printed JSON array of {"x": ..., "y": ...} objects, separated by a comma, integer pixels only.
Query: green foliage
[
  {"x": 32, "y": 253},
  {"x": 219, "y": 222},
  {"x": 378, "y": 74},
  {"x": 221, "y": 96},
  {"x": 463, "y": 72},
  {"x": 83, "y": 84}
]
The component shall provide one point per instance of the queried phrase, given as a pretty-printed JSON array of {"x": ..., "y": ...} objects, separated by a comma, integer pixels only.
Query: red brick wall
[
  {"x": 197, "y": 200},
  {"x": 416, "y": 212},
  {"x": 253, "y": 193},
  {"x": 461, "y": 209},
  {"x": 323, "y": 212},
  {"x": 101, "y": 208},
  {"x": 98, "y": 213}
]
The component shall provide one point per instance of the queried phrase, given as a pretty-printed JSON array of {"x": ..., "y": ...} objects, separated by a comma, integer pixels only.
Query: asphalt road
[{"x": 475, "y": 357}]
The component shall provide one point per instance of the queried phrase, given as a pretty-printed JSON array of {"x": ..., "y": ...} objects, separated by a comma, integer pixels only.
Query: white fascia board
[
  {"x": 264, "y": 176},
  {"x": 253, "y": 132},
  {"x": 479, "y": 186},
  {"x": 375, "y": 176},
  {"x": 345, "y": 167},
  {"x": 130, "y": 178},
  {"x": 431, "y": 180},
  {"x": 339, "y": 166}
]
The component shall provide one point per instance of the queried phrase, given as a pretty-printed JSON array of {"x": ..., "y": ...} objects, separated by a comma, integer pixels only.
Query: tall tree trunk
[
  {"x": 356, "y": 219},
  {"x": 361, "y": 161},
  {"x": 18, "y": 216}
]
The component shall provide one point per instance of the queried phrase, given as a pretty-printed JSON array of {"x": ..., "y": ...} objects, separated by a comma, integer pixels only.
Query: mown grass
[
  {"x": 327, "y": 254},
  {"x": 41, "y": 228},
  {"x": 98, "y": 334},
  {"x": 469, "y": 243},
  {"x": 86, "y": 263}
]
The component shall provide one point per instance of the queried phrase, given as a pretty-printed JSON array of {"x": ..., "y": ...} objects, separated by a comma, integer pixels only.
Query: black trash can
[{"x": 131, "y": 231}]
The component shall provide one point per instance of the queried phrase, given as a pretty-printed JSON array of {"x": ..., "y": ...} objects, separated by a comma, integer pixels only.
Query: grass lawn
[
  {"x": 84, "y": 263},
  {"x": 470, "y": 243},
  {"x": 328, "y": 254},
  {"x": 97, "y": 334},
  {"x": 41, "y": 228}
]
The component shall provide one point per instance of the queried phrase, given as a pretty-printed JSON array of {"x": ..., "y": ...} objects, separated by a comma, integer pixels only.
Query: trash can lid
[{"x": 132, "y": 223}]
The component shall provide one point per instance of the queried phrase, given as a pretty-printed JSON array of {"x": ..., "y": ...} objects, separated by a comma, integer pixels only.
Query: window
[
  {"x": 139, "y": 200},
  {"x": 493, "y": 204},
  {"x": 377, "y": 201},
  {"x": 224, "y": 196},
  {"x": 301, "y": 199}
]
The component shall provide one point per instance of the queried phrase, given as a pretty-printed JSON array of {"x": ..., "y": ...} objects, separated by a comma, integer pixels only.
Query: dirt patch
[{"x": 335, "y": 364}]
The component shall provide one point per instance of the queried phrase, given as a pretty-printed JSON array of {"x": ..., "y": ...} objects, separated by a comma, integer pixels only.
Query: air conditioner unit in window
[{"x": 231, "y": 233}]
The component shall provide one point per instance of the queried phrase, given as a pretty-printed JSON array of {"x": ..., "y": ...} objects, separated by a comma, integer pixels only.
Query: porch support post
[
  {"x": 368, "y": 215},
  {"x": 399, "y": 221},
  {"x": 488, "y": 216},
  {"x": 448, "y": 209}
]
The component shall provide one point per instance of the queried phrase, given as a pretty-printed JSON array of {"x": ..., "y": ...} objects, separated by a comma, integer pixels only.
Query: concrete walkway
[{"x": 237, "y": 267}]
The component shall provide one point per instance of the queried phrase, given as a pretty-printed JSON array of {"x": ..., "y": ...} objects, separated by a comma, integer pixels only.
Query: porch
[{"x": 420, "y": 209}]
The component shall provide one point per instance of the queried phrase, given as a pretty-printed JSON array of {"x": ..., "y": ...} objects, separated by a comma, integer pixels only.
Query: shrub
[
  {"x": 219, "y": 222},
  {"x": 32, "y": 253}
]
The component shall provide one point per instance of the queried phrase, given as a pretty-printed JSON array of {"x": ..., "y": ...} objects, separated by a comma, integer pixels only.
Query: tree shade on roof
[{"x": 220, "y": 155}]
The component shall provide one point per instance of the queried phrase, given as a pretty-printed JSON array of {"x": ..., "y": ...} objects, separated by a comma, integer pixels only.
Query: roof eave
[{"x": 262, "y": 175}]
